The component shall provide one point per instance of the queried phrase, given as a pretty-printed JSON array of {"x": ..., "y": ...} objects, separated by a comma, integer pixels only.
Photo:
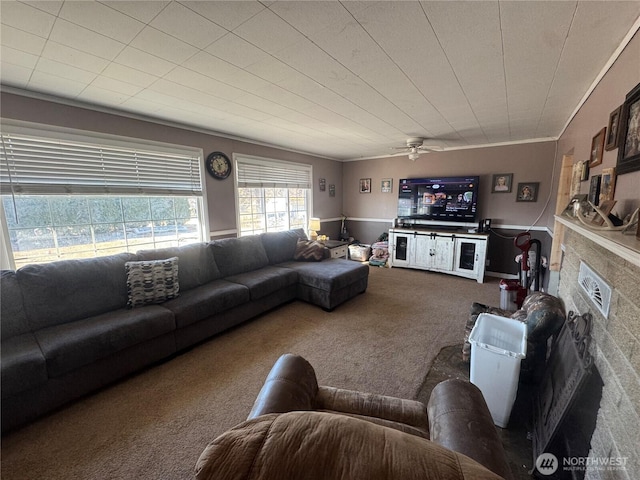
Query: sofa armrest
[
  {"x": 460, "y": 420},
  {"x": 398, "y": 410},
  {"x": 290, "y": 385}
]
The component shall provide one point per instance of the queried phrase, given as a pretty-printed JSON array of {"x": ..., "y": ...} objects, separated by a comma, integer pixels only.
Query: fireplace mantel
[{"x": 625, "y": 246}]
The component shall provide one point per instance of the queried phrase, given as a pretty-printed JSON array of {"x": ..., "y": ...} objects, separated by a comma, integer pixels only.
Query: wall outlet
[{"x": 487, "y": 262}]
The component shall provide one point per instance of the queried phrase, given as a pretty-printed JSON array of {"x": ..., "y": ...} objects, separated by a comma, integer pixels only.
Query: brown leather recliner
[
  {"x": 292, "y": 385},
  {"x": 457, "y": 417}
]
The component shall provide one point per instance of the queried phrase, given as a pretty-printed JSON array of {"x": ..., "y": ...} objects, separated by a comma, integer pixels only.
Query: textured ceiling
[{"x": 343, "y": 80}]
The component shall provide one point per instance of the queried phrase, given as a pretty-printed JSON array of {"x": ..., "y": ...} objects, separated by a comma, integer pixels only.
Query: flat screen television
[{"x": 439, "y": 199}]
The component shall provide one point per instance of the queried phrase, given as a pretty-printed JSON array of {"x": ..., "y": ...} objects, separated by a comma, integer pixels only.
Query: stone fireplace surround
[{"x": 615, "y": 343}]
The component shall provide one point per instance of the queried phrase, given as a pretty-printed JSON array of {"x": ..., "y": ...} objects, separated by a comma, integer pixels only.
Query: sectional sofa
[{"x": 73, "y": 326}]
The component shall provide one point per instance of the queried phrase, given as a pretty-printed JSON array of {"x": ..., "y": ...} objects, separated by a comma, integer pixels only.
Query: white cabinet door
[
  {"x": 423, "y": 251},
  {"x": 443, "y": 250},
  {"x": 470, "y": 257},
  {"x": 401, "y": 249}
]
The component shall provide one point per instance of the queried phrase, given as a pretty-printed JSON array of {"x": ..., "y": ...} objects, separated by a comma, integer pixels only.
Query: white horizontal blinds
[
  {"x": 45, "y": 166},
  {"x": 262, "y": 173}
]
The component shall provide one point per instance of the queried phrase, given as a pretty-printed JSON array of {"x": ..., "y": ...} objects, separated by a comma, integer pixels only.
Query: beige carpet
[{"x": 155, "y": 424}]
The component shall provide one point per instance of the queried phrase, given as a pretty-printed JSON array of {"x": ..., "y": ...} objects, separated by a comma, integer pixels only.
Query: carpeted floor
[{"x": 155, "y": 424}]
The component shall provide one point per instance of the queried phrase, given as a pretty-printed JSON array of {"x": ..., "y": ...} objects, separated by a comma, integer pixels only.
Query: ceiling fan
[{"x": 415, "y": 147}]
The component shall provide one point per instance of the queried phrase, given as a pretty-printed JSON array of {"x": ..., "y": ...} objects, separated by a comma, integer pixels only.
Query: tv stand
[{"x": 438, "y": 249}]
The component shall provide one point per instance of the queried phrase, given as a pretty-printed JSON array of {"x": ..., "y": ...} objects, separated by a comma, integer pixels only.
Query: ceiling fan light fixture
[{"x": 413, "y": 156}]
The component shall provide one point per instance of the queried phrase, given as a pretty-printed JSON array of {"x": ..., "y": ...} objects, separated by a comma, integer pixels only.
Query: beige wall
[
  {"x": 616, "y": 339},
  {"x": 594, "y": 114},
  {"x": 220, "y": 194},
  {"x": 530, "y": 162}
]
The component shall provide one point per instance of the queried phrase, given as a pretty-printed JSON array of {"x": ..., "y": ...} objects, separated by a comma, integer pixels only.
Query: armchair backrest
[{"x": 290, "y": 385}]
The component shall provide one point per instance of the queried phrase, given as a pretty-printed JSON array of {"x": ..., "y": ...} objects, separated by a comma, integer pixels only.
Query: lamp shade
[{"x": 314, "y": 224}]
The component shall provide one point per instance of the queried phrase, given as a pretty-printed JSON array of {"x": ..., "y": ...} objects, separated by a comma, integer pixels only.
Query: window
[
  {"x": 272, "y": 196},
  {"x": 76, "y": 197}
]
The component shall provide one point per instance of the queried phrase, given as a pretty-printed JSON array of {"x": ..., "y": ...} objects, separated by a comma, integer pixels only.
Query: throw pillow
[
  {"x": 151, "y": 281},
  {"x": 309, "y": 251}
]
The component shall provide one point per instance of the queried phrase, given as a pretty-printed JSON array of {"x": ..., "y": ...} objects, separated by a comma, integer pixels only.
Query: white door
[
  {"x": 469, "y": 258},
  {"x": 423, "y": 251},
  {"x": 443, "y": 253},
  {"x": 400, "y": 244}
]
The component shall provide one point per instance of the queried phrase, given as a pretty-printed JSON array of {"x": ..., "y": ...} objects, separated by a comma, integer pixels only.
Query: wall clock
[{"x": 218, "y": 165}]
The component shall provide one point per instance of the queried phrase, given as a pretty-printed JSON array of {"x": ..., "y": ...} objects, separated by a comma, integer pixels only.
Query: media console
[{"x": 454, "y": 252}]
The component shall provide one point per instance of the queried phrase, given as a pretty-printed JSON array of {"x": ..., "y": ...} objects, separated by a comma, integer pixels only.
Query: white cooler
[{"x": 498, "y": 344}]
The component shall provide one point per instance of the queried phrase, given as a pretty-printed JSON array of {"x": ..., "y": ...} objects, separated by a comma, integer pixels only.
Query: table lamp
[{"x": 314, "y": 226}]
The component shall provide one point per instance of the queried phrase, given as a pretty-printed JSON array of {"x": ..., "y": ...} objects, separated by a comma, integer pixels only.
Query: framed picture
[
  {"x": 607, "y": 184},
  {"x": 594, "y": 189},
  {"x": 332, "y": 190},
  {"x": 365, "y": 185},
  {"x": 629, "y": 143},
  {"x": 597, "y": 148},
  {"x": 386, "y": 185},
  {"x": 527, "y": 192},
  {"x": 613, "y": 130},
  {"x": 575, "y": 204},
  {"x": 502, "y": 183},
  {"x": 323, "y": 184},
  {"x": 584, "y": 174},
  {"x": 576, "y": 174},
  {"x": 606, "y": 208}
]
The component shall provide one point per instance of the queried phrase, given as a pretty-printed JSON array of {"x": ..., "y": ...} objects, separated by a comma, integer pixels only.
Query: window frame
[
  {"x": 116, "y": 141},
  {"x": 267, "y": 163}
]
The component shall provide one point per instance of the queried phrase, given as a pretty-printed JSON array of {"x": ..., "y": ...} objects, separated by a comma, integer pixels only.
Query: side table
[{"x": 337, "y": 248}]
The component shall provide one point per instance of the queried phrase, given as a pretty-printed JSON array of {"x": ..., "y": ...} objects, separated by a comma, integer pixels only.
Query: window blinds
[
  {"x": 45, "y": 166},
  {"x": 262, "y": 173}
]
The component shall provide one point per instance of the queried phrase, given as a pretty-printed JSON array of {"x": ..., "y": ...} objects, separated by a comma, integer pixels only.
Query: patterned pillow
[
  {"x": 308, "y": 251},
  {"x": 151, "y": 281}
]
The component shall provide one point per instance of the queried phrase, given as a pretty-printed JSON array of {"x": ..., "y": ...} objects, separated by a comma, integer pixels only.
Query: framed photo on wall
[
  {"x": 365, "y": 185},
  {"x": 613, "y": 129},
  {"x": 527, "y": 192},
  {"x": 386, "y": 185},
  {"x": 322, "y": 184},
  {"x": 594, "y": 189},
  {"x": 629, "y": 143},
  {"x": 584, "y": 176},
  {"x": 597, "y": 148},
  {"x": 607, "y": 184},
  {"x": 332, "y": 190},
  {"x": 502, "y": 183},
  {"x": 576, "y": 178}
]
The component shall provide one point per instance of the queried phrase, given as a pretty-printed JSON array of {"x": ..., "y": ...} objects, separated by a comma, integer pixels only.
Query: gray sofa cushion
[
  {"x": 14, "y": 320},
  {"x": 329, "y": 275},
  {"x": 265, "y": 281},
  {"x": 22, "y": 364},
  {"x": 280, "y": 246},
  {"x": 73, "y": 345},
  {"x": 205, "y": 301},
  {"x": 68, "y": 290},
  {"x": 197, "y": 265},
  {"x": 239, "y": 255}
]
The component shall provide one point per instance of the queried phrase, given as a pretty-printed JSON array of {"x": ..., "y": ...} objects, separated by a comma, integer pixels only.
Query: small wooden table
[{"x": 337, "y": 248}]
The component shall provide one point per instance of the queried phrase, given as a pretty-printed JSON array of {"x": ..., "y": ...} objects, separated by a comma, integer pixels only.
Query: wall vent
[{"x": 596, "y": 288}]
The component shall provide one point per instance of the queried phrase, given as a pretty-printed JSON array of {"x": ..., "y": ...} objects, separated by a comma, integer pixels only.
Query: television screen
[{"x": 447, "y": 199}]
